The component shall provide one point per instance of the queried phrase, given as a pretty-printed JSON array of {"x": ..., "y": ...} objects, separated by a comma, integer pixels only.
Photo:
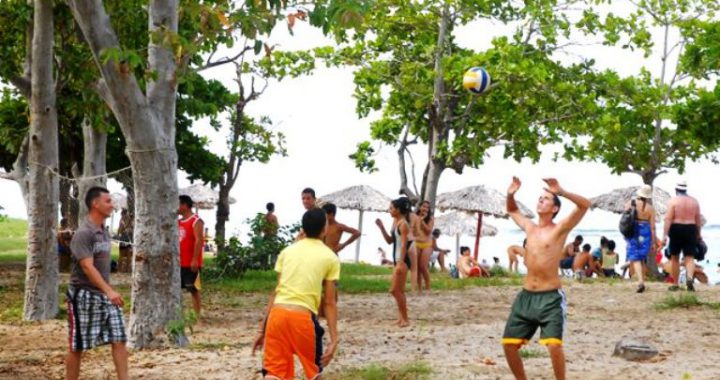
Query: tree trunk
[
  {"x": 94, "y": 171},
  {"x": 66, "y": 196},
  {"x": 431, "y": 181},
  {"x": 126, "y": 179},
  {"x": 41, "y": 277},
  {"x": 222, "y": 215},
  {"x": 147, "y": 121}
]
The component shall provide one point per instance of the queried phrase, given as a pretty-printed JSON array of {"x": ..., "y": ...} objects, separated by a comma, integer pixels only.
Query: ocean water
[{"x": 509, "y": 234}]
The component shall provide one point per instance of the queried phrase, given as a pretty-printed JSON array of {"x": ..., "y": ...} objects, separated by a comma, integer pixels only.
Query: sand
[{"x": 456, "y": 333}]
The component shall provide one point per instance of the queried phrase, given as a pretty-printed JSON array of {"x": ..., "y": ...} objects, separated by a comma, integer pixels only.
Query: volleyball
[{"x": 476, "y": 80}]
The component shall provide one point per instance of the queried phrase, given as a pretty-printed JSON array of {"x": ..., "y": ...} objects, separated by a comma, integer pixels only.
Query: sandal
[{"x": 641, "y": 288}]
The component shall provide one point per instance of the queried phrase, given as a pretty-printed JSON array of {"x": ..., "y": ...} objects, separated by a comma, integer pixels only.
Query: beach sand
[{"x": 456, "y": 333}]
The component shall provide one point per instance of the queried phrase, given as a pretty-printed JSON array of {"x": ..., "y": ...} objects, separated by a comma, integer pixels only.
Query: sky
[{"x": 317, "y": 115}]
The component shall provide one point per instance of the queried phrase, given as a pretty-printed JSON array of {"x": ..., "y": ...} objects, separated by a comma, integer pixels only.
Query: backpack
[
  {"x": 628, "y": 221},
  {"x": 454, "y": 271}
]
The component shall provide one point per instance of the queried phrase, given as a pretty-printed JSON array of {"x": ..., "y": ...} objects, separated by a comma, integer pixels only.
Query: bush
[
  {"x": 2, "y": 216},
  {"x": 259, "y": 254}
]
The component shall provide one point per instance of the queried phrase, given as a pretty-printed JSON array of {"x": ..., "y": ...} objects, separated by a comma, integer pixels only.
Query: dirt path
[{"x": 453, "y": 332}]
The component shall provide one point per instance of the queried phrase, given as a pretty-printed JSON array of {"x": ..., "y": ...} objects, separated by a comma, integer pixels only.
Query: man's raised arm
[
  {"x": 582, "y": 203},
  {"x": 512, "y": 208}
]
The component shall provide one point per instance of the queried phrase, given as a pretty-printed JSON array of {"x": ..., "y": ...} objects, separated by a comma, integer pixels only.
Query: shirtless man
[
  {"x": 335, "y": 230},
  {"x": 309, "y": 202},
  {"x": 542, "y": 301},
  {"x": 570, "y": 251},
  {"x": 584, "y": 265},
  {"x": 513, "y": 252},
  {"x": 271, "y": 220},
  {"x": 682, "y": 226}
]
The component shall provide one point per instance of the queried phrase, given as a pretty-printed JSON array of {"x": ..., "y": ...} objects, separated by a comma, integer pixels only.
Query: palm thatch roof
[
  {"x": 615, "y": 200},
  {"x": 119, "y": 201},
  {"x": 478, "y": 199},
  {"x": 360, "y": 197},
  {"x": 204, "y": 197},
  {"x": 462, "y": 223}
]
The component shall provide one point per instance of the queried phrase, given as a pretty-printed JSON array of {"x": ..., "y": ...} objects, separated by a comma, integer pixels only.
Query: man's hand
[
  {"x": 115, "y": 298},
  {"x": 258, "y": 343},
  {"x": 194, "y": 264},
  {"x": 329, "y": 354},
  {"x": 553, "y": 186},
  {"x": 514, "y": 186},
  {"x": 379, "y": 222}
]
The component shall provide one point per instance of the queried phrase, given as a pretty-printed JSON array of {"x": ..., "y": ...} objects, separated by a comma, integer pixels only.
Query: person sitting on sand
[
  {"x": 698, "y": 275},
  {"x": 383, "y": 258},
  {"x": 609, "y": 260},
  {"x": 468, "y": 266},
  {"x": 583, "y": 265},
  {"x": 438, "y": 253},
  {"x": 570, "y": 250}
]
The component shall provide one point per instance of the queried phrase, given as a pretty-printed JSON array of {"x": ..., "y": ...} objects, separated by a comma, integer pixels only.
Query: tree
[
  {"x": 410, "y": 68},
  {"x": 648, "y": 122},
  {"x": 41, "y": 295}
]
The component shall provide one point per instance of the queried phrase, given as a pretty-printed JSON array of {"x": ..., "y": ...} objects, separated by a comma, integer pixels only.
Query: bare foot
[{"x": 404, "y": 323}]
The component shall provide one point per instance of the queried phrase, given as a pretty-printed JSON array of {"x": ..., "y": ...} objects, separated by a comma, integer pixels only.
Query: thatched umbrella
[
  {"x": 361, "y": 198},
  {"x": 481, "y": 200},
  {"x": 615, "y": 200},
  {"x": 461, "y": 223},
  {"x": 203, "y": 197}
]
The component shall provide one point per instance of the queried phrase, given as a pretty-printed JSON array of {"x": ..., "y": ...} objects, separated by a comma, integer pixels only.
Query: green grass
[
  {"x": 681, "y": 301},
  {"x": 529, "y": 353},
  {"x": 410, "y": 371},
  {"x": 13, "y": 241}
]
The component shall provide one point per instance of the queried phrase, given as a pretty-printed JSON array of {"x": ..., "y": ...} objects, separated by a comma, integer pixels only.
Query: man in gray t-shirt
[
  {"x": 90, "y": 240},
  {"x": 95, "y": 314}
]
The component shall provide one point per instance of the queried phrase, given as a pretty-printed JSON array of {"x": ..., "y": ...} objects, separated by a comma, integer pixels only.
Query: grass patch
[
  {"x": 410, "y": 371},
  {"x": 681, "y": 301},
  {"x": 349, "y": 269},
  {"x": 13, "y": 241},
  {"x": 529, "y": 353}
]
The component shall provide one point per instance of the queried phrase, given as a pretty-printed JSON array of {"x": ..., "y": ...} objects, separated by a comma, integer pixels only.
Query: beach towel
[{"x": 639, "y": 245}]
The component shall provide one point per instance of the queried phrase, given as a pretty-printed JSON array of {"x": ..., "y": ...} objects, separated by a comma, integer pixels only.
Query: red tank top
[{"x": 186, "y": 235}]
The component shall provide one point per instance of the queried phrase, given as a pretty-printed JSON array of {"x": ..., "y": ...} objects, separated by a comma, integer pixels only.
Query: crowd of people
[{"x": 309, "y": 270}]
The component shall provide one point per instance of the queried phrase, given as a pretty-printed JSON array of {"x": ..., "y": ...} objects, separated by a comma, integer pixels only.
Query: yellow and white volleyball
[{"x": 476, "y": 80}]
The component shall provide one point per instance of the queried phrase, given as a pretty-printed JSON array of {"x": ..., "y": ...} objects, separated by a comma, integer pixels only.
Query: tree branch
[
  {"x": 225, "y": 60},
  {"x": 122, "y": 87}
]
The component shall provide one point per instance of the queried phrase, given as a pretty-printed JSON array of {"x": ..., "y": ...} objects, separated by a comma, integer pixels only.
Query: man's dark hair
[
  {"x": 270, "y": 207},
  {"x": 186, "y": 200},
  {"x": 63, "y": 222},
  {"x": 579, "y": 238},
  {"x": 313, "y": 222},
  {"x": 496, "y": 260},
  {"x": 330, "y": 208},
  {"x": 611, "y": 245},
  {"x": 557, "y": 203},
  {"x": 463, "y": 249},
  {"x": 603, "y": 241},
  {"x": 586, "y": 247},
  {"x": 525, "y": 243},
  {"x": 93, "y": 194},
  {"x": 436, "y": 233},
  {"x": 309, "y": 190}
]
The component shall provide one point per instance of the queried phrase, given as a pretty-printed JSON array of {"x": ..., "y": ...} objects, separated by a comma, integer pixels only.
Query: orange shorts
[
  {"x": 288, "y": 333},
  {"x": 474, "y": 272}
]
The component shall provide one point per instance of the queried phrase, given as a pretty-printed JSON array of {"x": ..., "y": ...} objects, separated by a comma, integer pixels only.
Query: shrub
[{"x": 260, "y": 253}]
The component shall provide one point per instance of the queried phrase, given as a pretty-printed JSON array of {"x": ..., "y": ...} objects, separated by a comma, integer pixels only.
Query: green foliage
[
  {"x": 681, "y": 301},
  {"x": 259, "y": 254},
  {"x": 416, "y": 370},
  {"x": 3, "y": 217},
  {"x": 363, "y": 157},
  {"x": 178, "y": 329}
]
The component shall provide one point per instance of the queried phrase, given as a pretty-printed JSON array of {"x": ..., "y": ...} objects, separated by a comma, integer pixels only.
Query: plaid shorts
[{"x": 92, "y": 320}]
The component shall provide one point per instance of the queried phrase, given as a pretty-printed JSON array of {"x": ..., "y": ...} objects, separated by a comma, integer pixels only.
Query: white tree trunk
[
  {"x": 41, "y": 278},
  {"x": 148, "y": 123},
  {"x": 94, "y": 148}
]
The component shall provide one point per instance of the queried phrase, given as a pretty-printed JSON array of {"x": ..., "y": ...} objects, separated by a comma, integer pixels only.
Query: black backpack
[{"x": 628, "y": 221}]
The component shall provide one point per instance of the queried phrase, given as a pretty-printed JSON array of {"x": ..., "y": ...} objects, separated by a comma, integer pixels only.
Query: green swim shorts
[{"x": 531, "y": 310}]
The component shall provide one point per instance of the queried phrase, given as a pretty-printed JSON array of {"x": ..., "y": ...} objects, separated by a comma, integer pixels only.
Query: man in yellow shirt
[{"x": 291, "y": 327}]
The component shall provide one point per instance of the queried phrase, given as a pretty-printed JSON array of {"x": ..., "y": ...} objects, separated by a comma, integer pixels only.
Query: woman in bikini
[
  {"x": 422, "y": 230},
  {"x": 400, "y": 239},
  {"x": 642, "y": 242}
]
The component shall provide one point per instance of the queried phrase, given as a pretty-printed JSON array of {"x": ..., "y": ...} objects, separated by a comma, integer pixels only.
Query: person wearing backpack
[{"x": 641, "y": 242}]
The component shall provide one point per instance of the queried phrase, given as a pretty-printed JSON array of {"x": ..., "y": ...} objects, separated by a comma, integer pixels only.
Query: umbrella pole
[
  {"x": 477, "y": 235},
  {"x": 357, "y": 243},
  {"x": 457, "y": 248}
]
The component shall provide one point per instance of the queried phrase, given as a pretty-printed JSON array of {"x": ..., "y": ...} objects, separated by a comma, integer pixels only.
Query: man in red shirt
[{"x": 190, "y": 234}]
